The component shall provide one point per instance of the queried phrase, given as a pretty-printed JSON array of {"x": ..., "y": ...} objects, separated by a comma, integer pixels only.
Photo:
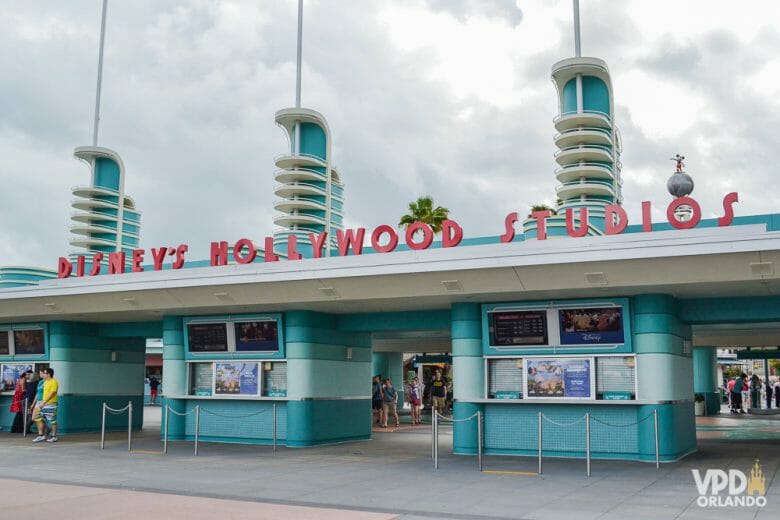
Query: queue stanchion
[
  {"x": 103, "y": 429},
  {"x": 436, "y": 440},
  {"x": 541, "y": 429},
  {"x": 587, "y": 442},
  {"x": 165, "y": 430},
  {"x": 655, "y": 430},
  {"x": 274, "y": 427},
  {"x": 197, "y": 428},
  {"x": 24, "y": 419},
  {"x": 479, "y": 440},
  {"x": 433, "y": 433},
  {"x": 130, "y": 426}
]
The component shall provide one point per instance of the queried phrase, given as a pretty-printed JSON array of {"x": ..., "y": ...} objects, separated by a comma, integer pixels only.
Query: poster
[
  {"x": 201, "y": 378},
  {"x": 591, "y": 326},
  {"x": 10, "y": 374},
  {"x": 257, "y": 336},
  {"x": 511, "y": 328},
  {"x": 236, "y": 379},
  {"x": 29, "y": 342},
  {"x": 569, "y": 378}
]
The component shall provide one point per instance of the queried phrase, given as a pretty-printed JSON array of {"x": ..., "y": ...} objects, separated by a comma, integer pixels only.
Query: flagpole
[
  {"x": 577, "y": 49},
  {"x": 300, "y": 53},
  {"x": 99, "y": 74}
]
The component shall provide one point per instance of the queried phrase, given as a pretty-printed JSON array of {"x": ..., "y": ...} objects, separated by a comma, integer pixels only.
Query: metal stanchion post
[
  {"x": 274, "y": 427},
  {"x": 436, "y": 440},
  {"x": 655, "y": 428},
  {"x": 479, "y": 439},
  {"x": 433, "y": 433},
  {"x": 165, "y": 431},
  {"x": 197, "y": 428},
  {"x": 540, "y": 443},
  {"x": 587, "y": 441},
  {"x": 24, "y": 417},
  {"x": 103, "y": 429},
  {"x": 130, "y": 426}
]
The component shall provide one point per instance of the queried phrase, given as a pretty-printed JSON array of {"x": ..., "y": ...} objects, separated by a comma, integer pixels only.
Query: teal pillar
[
  {"x": 468, "y": 374},
  {"x": 175, "y": 370},
  {"x": 328, "y": 380},
  {"x": 704, "y": 379},
  {"x": 665, "y": 375}
]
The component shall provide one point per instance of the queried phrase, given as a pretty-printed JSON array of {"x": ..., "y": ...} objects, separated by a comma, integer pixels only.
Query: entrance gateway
[{"x": 579, "y": 312}]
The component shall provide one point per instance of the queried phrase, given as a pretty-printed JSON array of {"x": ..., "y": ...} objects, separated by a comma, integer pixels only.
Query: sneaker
[
  {"x": 39, "y": 438},
  {"x": 52, "y": 439}
]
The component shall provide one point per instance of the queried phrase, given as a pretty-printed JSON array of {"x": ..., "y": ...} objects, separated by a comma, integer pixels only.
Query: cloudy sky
[{"x": 441, "y": 97}]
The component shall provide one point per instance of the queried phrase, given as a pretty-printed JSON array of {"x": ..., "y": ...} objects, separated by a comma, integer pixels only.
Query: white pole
[
  {"x": 577, "y": 49},
  {"x": 479, "y": 439},
  {"x": 197, "y": 428},
  {"x": 165, "y": 431},
  {"x": 540, "y": 443},
  {"x": 274, "y": 427},
  {"x": 655, "y": 431},
  {"x": 300, "y": 56},
  {"x": 130, "y": 426},
  {"x": 100, "y": 73},
  {"x": 587, "y": 441},
  {"x": 103, "y": 429}
]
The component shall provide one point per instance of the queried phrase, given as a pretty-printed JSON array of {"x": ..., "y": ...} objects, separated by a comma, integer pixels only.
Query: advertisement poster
[
  {"x": 591, "y": 326},
  {"x": 236, "y": 379},
  {"x": 202, "y": 377},
  {"x": 29, "y": 342},
  {"x": 10, "y": 375},
  {"x": 568, "y": 378},
  {"x": 257, "y": 336},
  {"x": 518, "y": 328}
]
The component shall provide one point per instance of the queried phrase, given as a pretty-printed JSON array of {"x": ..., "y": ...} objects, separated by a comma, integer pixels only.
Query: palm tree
[
  {"x": 422, "y": 210},
  {"x": 541, "y": 207}
]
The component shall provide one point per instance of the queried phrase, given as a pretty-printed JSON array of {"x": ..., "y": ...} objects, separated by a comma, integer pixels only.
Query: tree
[
  {"x": 541, "y": 207},
  {"x": 422, "y": 210}
]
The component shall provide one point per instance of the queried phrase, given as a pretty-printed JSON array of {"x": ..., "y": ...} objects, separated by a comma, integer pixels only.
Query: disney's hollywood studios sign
[{"x": 383, "y": 239}]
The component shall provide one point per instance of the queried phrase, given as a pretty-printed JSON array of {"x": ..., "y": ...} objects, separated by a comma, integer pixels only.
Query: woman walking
[
  {"x": 17, "y": 403},
  {"x": 415, "y": 400},
  {"x": 389, "y": 403}
]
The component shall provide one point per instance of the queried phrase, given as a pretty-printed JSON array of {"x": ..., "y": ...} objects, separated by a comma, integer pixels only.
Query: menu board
[
  {"x": 29, "y": 342},
  {"x": 236, "y": 379},
  {"x": 518, "y": 328},
  {"x": 568, "y": 378},
  {"x": 207, "y": 337},
  {"x": 5, "y": 348},
  {"x": 591, "y": 326},
  {"x": 257, "y": 336},
  {"x": 201, "y": 378}
]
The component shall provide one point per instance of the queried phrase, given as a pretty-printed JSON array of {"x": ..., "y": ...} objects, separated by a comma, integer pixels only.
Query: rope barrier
[
  {"x": 117, "y": 410},
  {"x": 450, "y": 419},
  {"x": 234, "y": 416},
  {"x": 563, "y": 425},
  {"x": 626, "y": 425},
  {"x": 180, "y": 414}
]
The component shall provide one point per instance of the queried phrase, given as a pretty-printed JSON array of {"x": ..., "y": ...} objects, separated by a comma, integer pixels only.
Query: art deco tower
[{"x": 587, "y": 139}]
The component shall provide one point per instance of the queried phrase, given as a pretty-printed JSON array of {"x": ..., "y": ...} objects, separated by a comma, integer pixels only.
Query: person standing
[
  {"x": 376, "y": 399},
  {"x": 438, "y": 393},
  {"x": 769, "y": 392},
  {"x": 32, "y": 391},
  {"x": 736, "y": 394},
  {"x": 777, "y": 392},
  {"x": 389, "y": 402},
  {"x": 755, "y": 391},
  {"x": 47, "y": 408},
  {"x": 154, "y": 384},
  {"x": 415, "y": 400},
  {"x": 17, "y": 403}
]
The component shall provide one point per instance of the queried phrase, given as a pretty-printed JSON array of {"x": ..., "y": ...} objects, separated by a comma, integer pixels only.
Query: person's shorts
[
  {"x": 416, "y": 402},
  {"x": 48, "y": 414},
  {"x": 153, "y": 392},
  {"x": 376, "y": 404},
  {"x": 388, "y": 406}
]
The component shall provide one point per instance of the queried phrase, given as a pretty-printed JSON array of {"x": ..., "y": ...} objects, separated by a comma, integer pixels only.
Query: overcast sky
[{"x": 441, "y": 97}]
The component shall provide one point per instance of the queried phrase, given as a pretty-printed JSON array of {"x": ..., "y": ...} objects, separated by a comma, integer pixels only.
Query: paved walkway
[{"x": 390, "y": 476}]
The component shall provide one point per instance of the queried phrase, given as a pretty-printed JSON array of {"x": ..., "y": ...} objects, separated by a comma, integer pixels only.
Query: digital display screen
[
  {"x": 591, "y": 326},
  {"x": 518, "y": 328},
  {"x": 207, "y": 337},
  {"x": 29, "y": 342},
  {"x": 257, "y": 336}
]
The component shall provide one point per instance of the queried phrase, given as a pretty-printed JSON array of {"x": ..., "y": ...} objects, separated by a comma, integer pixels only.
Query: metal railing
[
  {"x": 435, "y": 435},
  {"x": 581, "y": 113},
  {"x": 117, "y": 411}
]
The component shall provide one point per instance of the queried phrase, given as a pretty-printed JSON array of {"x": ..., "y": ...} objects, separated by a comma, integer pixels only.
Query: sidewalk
[{"x": 391, "y": 475}]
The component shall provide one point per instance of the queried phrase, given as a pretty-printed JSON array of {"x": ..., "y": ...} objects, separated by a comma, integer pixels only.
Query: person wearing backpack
[{"x": 376, "y": 399}]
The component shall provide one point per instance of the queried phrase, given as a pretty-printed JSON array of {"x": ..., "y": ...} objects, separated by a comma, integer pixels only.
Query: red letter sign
[
  {"x": 583, "y": 230},
  {"x": 610, "y": 226},
  {"x": 683, "y": 201},
  {"x": 377, "y": 234},
  {"x": 509, "y": 226},
  {"x": 451, "y": 233},
  {"x": 541, "y": 225},
  {"x": 350, "y": 239},
  {"x": 64, "y": 268},
  {"x": 251, "y": 254},
  {"x": 728, "y": 215},
  {"x": 427, "y": 232}
]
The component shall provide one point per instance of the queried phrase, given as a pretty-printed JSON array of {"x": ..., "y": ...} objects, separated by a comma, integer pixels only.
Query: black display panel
[
  {"x": 207, "y": 337},
  {"x": 5, "y": 348},
  {"x": 518, "y": 328},
  {"x": 29, "y": 342},
  {"x": 257, "y": 336}
]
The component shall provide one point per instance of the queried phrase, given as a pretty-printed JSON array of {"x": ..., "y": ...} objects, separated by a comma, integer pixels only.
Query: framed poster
[
  {"x": 591, "y": 326},
  {"x": 207, "y": 337},
  {"x": 29, "y": 342},
  {"x": 10, "y": 374},
  {"x": 236, "y": 379},
  {"x": 201, "y": 378},
  {"x": 518, "y": 328},
  {"x": 568, "y": 378},
  {"x": 257, "y": 336}
]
